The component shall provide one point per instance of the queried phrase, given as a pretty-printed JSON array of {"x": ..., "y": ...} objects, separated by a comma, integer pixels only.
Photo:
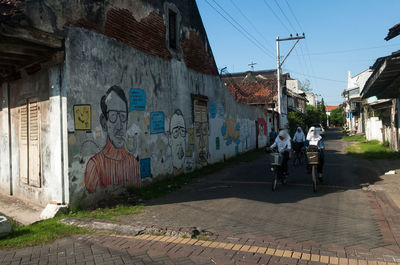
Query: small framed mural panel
[{"x": 83, "y": 117}]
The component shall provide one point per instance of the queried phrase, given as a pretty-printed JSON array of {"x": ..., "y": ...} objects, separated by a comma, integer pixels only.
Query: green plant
[
  {"x": 355, "y": 138},
  {"x": 371, "y": 150},
  {"x": 294, "y": 120},
  {"x": 40, "y": 233},
  {"x": 108, "y": 213}
]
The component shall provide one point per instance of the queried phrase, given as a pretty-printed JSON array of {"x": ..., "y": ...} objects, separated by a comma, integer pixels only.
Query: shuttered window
[{"x": 29, "y": 144}]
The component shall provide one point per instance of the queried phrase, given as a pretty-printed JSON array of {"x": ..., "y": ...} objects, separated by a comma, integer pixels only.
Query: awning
[{"x": 385, "y": 79}]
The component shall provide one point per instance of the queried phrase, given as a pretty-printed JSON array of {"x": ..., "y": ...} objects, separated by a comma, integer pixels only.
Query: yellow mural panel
[{"x": 82, "y": 117}]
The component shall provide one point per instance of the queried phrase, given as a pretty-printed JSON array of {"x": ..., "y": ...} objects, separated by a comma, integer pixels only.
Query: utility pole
[
  {"x": 279, "y": 65},
  {"x": 252, "y": 66}
]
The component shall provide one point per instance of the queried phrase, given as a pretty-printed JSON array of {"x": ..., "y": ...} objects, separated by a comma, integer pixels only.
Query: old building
[
  {"x": 99, "y": 95},
  {"x": 353, "y": 103},
  {"x": 383, "y": 112},
  {"x": 260, "y": 88}
]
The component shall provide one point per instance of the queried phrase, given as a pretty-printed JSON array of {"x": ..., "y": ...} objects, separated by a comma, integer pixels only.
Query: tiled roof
[
  {"x": 330, "y": 108},
  {"x": 393, "y": 32},
  {"x": 259, "y": 92},
  {"x": 10, "y": 7}
]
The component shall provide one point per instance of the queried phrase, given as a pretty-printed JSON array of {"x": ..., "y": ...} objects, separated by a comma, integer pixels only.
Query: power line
[
  {"x": 240, "y": 31},
  {"x": 317, "y": 77},
  {"x": 290, "y": 24},
  {"x": 277, "y": 17},
  {"x": 251, "y": 24},
  {"x": 353, "y": 50}
]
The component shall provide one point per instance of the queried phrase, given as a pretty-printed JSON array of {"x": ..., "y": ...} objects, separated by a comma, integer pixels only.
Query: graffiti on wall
[
  {"x": 137, "y": 99},
  {"x": 157, "y": 122},
  {"x": 213, "y": 110},
  {"x": 177, "y": 141},
  {"x": 230, "y": 131},
  {"x": 201, "y": 131},
  {"x": 82, "y": 117},
  {"x": 113, "y": 164},
  {"x": 145, "y": 168},
  {"x": 262, "y": 126}
]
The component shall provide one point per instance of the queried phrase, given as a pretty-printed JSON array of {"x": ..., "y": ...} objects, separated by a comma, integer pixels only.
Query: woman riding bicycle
[
  {"x": 282, "y": 142},
  {"x": 314, "y": 138},
  {"x": 298, "y": 143}
]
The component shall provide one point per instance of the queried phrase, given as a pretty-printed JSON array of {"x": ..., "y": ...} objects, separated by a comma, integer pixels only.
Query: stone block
[
  {"x": 52, "y": 210},
  {"x": 5, "y": 227}
]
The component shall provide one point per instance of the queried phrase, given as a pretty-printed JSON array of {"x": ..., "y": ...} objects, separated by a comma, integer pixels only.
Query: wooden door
[
  {"x": 29, "y": 144},
  {"x": 201, "y": 131}
]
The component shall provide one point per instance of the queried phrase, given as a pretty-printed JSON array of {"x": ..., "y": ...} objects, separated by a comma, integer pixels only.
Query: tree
[
  {"x": 305, "y": 86},
  {"x": 323, "y": 113},
  {"x": 337, "y": 117},
  {"x": 312, "y": 116},
  {"x": 294, "y": 120}
]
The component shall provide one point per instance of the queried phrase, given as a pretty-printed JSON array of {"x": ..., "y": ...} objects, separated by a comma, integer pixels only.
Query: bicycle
[
  {"x": 277, "y": 170},
  {"x": 313, "y": 160}
]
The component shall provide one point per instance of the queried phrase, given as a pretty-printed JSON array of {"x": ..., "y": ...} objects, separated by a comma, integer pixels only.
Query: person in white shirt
[
  {"x": 282, "y": 142},
  {"x": 314, "y": 138}
]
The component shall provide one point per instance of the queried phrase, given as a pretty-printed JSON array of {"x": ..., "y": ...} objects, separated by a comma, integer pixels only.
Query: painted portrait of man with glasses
[
  {"x": 113, "y": 164},
  {"x": 177, "y": 141}
]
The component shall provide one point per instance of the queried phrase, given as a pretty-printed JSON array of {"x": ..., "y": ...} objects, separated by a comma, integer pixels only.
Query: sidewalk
[{"x": 20, "y": 211}]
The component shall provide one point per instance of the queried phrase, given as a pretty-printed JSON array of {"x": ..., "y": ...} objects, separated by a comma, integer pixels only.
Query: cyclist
[
  {"x": 282, "y": 142},
  {"x": 314, "y": 138},
  {"x": 298, "y": 142}
]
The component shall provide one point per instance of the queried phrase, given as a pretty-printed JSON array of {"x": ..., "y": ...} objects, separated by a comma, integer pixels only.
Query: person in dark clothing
[{"x": 272, "y": 136}]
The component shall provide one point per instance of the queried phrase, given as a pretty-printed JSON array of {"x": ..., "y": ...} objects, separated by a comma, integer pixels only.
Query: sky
[{"x": 340, "y": 36}]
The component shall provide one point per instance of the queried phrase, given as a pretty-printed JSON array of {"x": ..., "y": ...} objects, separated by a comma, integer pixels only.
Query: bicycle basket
[
  {"x": 276, "y": 159},
  {"x": 313, "y": 157}
]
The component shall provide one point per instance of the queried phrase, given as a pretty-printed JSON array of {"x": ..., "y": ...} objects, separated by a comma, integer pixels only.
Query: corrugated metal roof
[
  {"x": 393, "y": 32},
  {"x": 385, "y": 79}
]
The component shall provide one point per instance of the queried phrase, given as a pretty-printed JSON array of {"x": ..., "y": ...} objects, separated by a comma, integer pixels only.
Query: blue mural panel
[
  {"x": 137, "y": 99},
  {"x": 145, "y": 169},
  {"x": 220, "y": 111},
  {"x": 157, "y": 122},
  {"x": 213, "y": 110}
]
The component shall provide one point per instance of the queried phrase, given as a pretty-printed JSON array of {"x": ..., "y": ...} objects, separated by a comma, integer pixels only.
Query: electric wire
[
  {"x": 251, "y": 24},
  {"x": 241, "y": 29}
]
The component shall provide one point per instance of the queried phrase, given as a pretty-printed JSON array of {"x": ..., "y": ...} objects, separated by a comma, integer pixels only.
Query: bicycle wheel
[
  {"x": 314, "y": 178},
  {"x": 275, "y": 179}
]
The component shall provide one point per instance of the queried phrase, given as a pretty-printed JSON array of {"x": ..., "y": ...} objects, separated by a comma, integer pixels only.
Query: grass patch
[
  {"x": 203, "y": 238},
  {"x": 371, "y": 150},
  {"x": 163, "y": 186},
  {"x": 49, "y": 230},
  {"x": 354, "y": 138},
  {"x": 107, "y": 213},
  {"x": 40, "y": 233}
]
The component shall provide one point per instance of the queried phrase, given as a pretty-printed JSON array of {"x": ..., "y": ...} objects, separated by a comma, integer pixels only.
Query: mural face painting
[
  {"x": 177, "y": 140},
  {"x": 113, "y": 164}
]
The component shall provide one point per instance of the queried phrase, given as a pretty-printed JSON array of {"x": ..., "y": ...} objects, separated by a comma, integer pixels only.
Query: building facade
[{"x": 101, "y": 95}]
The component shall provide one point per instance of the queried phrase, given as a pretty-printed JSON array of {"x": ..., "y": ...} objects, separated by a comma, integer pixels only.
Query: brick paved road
[
  {"x": 340, "y": 224},
  {"x": 239, "y": 200}
]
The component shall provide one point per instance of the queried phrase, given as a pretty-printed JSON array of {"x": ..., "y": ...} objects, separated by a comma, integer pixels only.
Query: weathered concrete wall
[
  {"x": 373, "y": 129},
  {"x": 166, "y": 131},
  {"x": 4, "y": 142},
  {"x": 43, "y": 87}
]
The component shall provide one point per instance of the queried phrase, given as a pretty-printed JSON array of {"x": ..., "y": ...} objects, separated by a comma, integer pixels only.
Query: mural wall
[{"x": 137, "y": 123}]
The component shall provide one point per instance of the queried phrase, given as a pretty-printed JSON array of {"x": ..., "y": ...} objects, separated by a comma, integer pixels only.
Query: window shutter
[
  {"x": 34, "y": 153},
  {"x": 23, "y": 144}
]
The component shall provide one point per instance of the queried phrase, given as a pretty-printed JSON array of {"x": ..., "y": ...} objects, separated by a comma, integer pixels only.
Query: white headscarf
[
  {"x": 299, "y": 136},
  {"x": 313, "y": 136},
  {"x": 283, "y": 134}
]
